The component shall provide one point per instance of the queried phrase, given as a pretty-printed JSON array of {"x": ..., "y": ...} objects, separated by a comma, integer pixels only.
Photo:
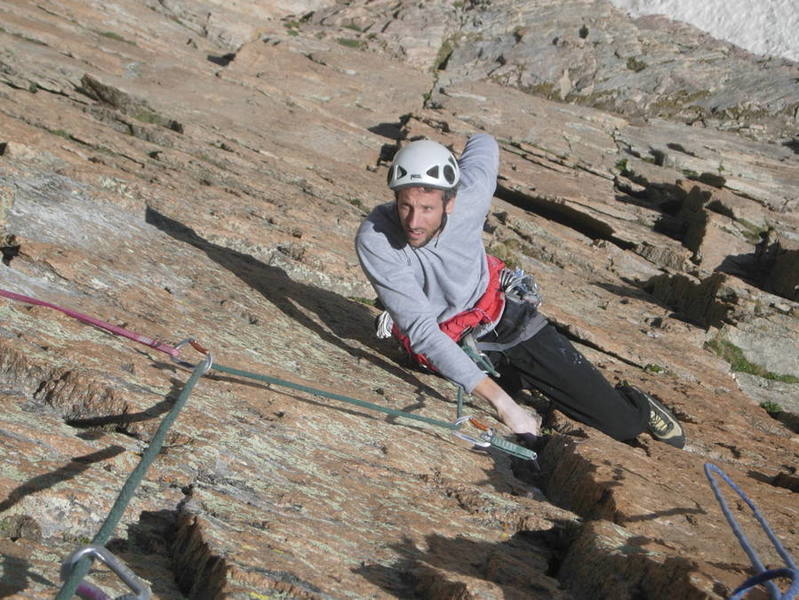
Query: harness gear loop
[{"x": 140, "y": 590}]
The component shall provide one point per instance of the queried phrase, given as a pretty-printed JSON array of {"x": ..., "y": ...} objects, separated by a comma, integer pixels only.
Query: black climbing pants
[{"x": 549, "y": 363}]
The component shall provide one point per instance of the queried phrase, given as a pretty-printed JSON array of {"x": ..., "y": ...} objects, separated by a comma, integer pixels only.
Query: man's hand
[{"x": 514, "y": 416}]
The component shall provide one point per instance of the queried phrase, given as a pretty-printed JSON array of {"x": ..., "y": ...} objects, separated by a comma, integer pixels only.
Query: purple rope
[{"x": 89, "y": 592}]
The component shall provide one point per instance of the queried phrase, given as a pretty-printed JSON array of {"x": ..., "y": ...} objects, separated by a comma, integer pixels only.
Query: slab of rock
[
  {"x": 236, "y": 228},
  {"x": 584, "y": 52}
]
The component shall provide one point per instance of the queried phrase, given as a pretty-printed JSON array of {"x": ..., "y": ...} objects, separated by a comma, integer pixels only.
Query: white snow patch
[{"x": 769, "y": 27}]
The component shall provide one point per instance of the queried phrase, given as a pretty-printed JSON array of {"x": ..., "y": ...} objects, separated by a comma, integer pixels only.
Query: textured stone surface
[
  {"x": 583, "y": 51},
  {"x": 199, "y": 169}
]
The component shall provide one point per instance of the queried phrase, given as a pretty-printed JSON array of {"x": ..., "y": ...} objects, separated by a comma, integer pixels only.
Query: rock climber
[{"x": 452, "y": 306}]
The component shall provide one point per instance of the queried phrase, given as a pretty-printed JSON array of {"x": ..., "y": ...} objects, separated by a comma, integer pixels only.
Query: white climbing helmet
[{"x": 424, "y": 163}]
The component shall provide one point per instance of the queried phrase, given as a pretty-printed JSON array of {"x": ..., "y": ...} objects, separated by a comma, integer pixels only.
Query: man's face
[{"x": 421, "y": 212}]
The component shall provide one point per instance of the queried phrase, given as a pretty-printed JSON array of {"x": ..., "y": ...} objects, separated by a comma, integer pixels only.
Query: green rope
[
  {"x": 137, "y": 475},
  {"x": 133, "y": 481},
  {"x": 496, "y": 441},
  {"x": 317, "y": 392}
]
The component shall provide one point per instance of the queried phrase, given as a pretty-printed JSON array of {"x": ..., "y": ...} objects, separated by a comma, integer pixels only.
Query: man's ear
[{"x": 450, "y": 205}]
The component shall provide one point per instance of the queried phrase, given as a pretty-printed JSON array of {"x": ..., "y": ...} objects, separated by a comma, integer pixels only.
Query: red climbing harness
[{"x": 488, "y": 309}]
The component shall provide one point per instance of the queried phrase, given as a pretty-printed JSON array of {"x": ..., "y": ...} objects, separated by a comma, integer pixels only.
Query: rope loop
[{"x": 763, "y": 576}]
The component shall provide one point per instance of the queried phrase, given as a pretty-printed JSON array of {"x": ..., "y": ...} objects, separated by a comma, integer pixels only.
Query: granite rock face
[
  {"x": 586, "y": 52},
  {"x": 199, "y": 169}
]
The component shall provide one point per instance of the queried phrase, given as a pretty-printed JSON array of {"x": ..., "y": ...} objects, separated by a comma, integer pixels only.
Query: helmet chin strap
[
  {"x": 443, "y": 223},
  {"x": 445, "y": 216}
]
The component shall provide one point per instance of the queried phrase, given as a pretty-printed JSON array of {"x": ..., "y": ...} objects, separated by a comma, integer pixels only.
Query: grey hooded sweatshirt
[{"x": 421, "y": 287}]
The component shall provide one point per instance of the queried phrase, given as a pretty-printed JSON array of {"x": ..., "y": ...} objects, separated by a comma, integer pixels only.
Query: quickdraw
[{"x": 487, "y": 436}]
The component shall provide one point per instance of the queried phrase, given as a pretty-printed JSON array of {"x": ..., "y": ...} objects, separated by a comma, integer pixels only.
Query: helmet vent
[
  {"x": 449, "y": 174},
  {"x": 433, "y": 172}
]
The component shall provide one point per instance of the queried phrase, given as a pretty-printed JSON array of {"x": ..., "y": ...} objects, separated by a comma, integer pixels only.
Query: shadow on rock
[
  {"x": 563, "y": 214},
  {"x": 121, "y": 422},
  {"x": 16, "y": 574},
  {"x": 72, "y": 469},
  {"x": 147, "y": 550},
  {"x": 666, "y": 198},
  {"x": 392, "y": 131},
  {"x": 518, "y": 568},
  {"x": 654, "y": 516},
  {"x": 742, "y": 266},
  {"x": 635, "y": 292},
  {"x": 344, "y": 318}
]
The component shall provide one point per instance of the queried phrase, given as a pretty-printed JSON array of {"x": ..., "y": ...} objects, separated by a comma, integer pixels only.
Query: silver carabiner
[
  {"x": 209, "y": 359},
  {"x": 472, "y": 440},
  {"x": 141, "y": 591}
]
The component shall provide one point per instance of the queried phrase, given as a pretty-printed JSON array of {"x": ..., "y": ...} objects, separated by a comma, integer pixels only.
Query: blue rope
[{"x": 763, "y": 576}]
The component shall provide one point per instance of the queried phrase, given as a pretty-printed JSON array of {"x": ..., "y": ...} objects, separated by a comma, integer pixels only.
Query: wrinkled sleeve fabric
[{"x": 479, "y": 164}]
